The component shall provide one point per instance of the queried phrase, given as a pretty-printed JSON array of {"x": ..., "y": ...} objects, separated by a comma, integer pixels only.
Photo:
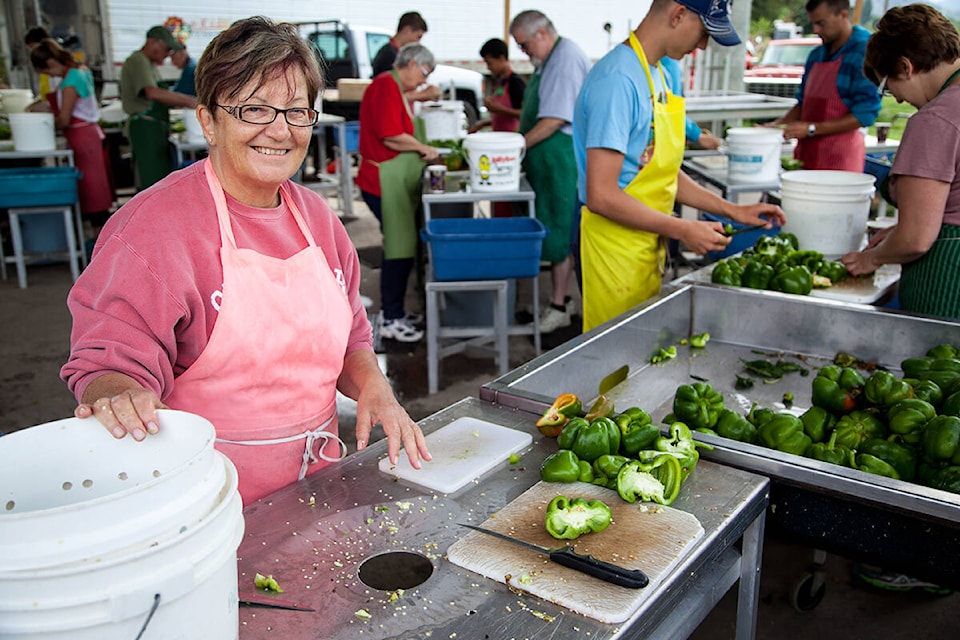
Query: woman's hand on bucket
[{"x": 122, "y": 409}]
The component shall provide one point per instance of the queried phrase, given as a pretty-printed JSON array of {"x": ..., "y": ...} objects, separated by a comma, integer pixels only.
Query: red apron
[
  {"x": 503, "y": 121},
  {"x": 92, "y": 159},
  {"x": 267, "y": 378},
  {"x": 821, "y": 101}
]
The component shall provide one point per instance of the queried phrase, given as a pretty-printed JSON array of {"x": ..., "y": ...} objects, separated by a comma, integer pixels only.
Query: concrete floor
[{"x": 36, "y": 327}]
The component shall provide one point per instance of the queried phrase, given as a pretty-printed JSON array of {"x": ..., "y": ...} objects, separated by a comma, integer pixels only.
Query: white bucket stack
[
  {"x": 92, "y": 529},
  {"x": 827, "y": 210},
  {"x": 753, "y": 154},
  {"x": 33, "y": 131},
  {"x": 15, "y": 100},
  {"x": 443, "y": 120},
  {"x": 494, "y": 159}
]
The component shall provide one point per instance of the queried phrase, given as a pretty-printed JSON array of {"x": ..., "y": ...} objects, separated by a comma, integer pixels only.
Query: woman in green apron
[
  {"x": 924, "y": 180},
  {"x": 392, "y": 162}
]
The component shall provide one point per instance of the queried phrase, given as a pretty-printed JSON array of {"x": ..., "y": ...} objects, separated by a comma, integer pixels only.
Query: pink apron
[
  {"x": 267, "y": 378},
  {"x": 821, "y": 101}
]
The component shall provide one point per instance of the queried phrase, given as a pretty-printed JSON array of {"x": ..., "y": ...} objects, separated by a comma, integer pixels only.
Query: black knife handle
[{"x": 620, "y": 576}]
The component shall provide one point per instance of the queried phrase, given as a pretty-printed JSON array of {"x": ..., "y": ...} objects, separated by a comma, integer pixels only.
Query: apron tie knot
[{"x": 309, "y": 457}]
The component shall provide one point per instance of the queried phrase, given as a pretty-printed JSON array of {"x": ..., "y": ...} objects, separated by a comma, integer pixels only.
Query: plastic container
[
  {"x": 93, "y": 529},
  {"x": 443, "y": 120},
  {"x": 33, "y": 131},
  {"x": 878, "y": 165},
  {"x": 753, "y": 154},
  {"x": 38, "y": 186},
  {"x": 43, "y": 232},
  {"x": 740, "y": 241},
  {"x": 484, "y": 248},
  {"x": 494, "y": 159},
  {"x": 352, "y": 134},
  {"x": 15, "y": 100},
  {"x": 827, "y": 210}
]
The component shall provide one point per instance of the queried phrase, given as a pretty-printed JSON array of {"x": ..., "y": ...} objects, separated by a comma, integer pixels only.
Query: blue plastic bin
[
  {"x": 484, "y": 248},
  {"x": 740, "y": 241},
  {"x": 878, "y": 165},
  {"x": 38, "y": 187},
  {"x": 352, "y": 133},
  {"x": 43, "y": 232}
]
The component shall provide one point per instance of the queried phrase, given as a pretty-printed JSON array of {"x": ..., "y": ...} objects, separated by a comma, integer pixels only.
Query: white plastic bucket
[
  {"x": 15, "y": 100},
  {"x": 192, "y": 126},
  {"x": 443, "y": 120},
  {"x": 827, "y": 210},
  {"x": 494, "y": 159},
  {"x": 753, "y": 154},
  {"x": 33, "y": 131},
  {"x": 93, "y": 528}
]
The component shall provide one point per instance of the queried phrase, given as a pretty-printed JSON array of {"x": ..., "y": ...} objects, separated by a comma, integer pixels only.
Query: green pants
[{"x": 151, "y": 149}]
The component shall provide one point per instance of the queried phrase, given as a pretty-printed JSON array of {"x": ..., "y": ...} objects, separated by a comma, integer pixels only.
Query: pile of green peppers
[
  {"x": 627, "y": 453},
  {"x": 777, "y": 263}
]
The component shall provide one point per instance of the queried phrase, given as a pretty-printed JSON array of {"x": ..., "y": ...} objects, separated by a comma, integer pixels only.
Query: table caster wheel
[{"x": 808, "y": 592}]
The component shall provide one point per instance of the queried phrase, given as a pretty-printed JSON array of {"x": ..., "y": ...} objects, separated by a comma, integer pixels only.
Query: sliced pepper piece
[
  {"x": 602, "y": 407},
  {"x": 637, "y": 430},
  {"x": 566, "y": 406},
  {"x": 568, "y": 519},
  {"x": 657, "y": 478},
  {"x": 681, "y": 445}
]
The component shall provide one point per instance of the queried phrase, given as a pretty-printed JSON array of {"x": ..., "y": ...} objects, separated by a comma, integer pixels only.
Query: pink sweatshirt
[{"x": 147, "y": 303}]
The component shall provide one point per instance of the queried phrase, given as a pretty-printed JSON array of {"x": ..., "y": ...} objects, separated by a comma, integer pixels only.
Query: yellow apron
[{"x": 622, "y": 266}]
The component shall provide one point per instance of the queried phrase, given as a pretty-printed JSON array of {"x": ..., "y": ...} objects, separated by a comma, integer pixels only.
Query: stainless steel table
[
  {"x": 712, "y": 169},
  {"x": 314, "y": 535}
]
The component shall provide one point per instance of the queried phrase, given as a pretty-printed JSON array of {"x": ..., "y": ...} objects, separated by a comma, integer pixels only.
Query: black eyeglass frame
[{"x": 237, "y": 112}]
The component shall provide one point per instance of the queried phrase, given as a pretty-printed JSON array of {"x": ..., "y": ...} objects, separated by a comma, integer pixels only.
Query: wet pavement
[{"x": 36, "y": 327}]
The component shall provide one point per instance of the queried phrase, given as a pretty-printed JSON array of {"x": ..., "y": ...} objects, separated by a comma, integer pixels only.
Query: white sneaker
[
  {"x": 413, "y": 318},
  {"x": 400, "y": 330},
  {"x": 552, "y": 319}
]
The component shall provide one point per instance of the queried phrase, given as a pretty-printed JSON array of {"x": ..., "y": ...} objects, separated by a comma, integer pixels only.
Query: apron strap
[{"x": 310, "y": 437}]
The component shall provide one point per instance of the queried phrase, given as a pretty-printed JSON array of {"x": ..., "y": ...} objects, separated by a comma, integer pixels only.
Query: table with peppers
[{"x": 834, "y": 402}]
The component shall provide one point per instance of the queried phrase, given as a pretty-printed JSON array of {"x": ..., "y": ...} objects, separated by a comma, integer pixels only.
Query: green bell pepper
[
  {"x": 607, "y": 467},
  {"x": 908, "y": 418},
  {"x": 872, "y": 464},
  {"x": 732, "y": 425},
  {"x": 697, "y": 405},
  {"x": 836, "y": 388},
  {"x": 759, "y": 416},
  {"x": 562, "y": 466},
  {"x": 855, "y": 427},
  {"x": 883, "y": 389},
  {"x": 756, "y": 275},
  {"x": 946, "y": 479},
  {"x": 951, "y": 406},
  {"x": 796, "y": 280},
  {"x": 784, "y": 432},
  {"x": 944, "y": 371},
  {"x": 941, "y": 439},
  {"x": 926, "y": 390},
  {"x": 586, "y": 471},
  {"x": 590, "y": 440},
  {"x": 637, "y": 430},
  {"x": 913, "y": 367},
  {"x": 829, "y": 452},
  {"x": 681, "y": 445},
  {"x": 817, "y": 423},
  {"x": 566, "y": 406},
  {"x": 943, "y": 351},
  {"x": 655, "y": 477},
  {"x": 568, "y": 519},
  {"x": 728, "y": 272},
  {"x": 699, "y": 340},
  {"x": 901, "y": 458},
  {"x": 778, "y": 245},
  {"x": 833, "y": 270}
]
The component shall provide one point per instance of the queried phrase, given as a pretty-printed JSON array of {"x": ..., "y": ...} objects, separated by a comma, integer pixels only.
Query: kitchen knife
[
  {"x": 252, "y": 600},
  {"x": 566, "y": 556},
  {"x": 743, "y": 230},
  {"x": 612, "y": 380}
]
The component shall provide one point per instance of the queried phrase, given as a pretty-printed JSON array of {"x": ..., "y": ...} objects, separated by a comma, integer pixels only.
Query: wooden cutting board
[{"x": 642, "y": 536}]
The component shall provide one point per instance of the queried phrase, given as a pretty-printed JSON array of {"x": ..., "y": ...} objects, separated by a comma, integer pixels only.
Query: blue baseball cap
[{"x": 716, "y": 18}]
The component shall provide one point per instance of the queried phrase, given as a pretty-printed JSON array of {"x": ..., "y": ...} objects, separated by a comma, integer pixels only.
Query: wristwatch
[{"x": 811, "y": 130}]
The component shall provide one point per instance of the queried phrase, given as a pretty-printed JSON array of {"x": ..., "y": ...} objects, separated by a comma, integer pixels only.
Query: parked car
[{"x": 780, "y": 69}]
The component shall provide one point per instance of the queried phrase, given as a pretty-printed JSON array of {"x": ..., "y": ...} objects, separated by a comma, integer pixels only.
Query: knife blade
[
  {"x": 566, "y": 556},
  {"x": 744, "y": 229},
  {"x": 253, "y": 600},
  {"x": 612, "y": 380}
]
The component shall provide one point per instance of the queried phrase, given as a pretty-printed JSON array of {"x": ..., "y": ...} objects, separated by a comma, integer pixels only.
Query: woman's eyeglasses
[
  {"x": 425, "y": 71},
  {"x": 264, "y": 114}
]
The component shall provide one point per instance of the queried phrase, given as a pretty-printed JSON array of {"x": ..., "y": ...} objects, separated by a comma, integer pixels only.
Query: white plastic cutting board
[
  {"x": 642, "y": 536},
  {"x": 463, "y": 450}
]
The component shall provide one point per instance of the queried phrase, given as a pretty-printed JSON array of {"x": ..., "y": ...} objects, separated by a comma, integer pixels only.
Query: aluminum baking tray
[{"x": 837, "y": 509}]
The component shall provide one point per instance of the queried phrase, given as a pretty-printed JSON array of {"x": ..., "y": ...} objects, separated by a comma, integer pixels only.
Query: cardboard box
[{"x": 351, "y": 89}]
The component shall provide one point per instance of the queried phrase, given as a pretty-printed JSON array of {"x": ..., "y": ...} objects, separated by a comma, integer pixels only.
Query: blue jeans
[{"x": 394, "y": 274}]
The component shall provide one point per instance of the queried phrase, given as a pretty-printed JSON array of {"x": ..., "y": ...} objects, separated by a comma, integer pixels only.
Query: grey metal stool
[{"x": 20, "y": 259}]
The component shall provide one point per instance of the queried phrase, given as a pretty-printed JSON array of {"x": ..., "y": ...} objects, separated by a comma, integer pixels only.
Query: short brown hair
[
  {"x": 251, "y": 50},
  {"x": 917, "y": 32},
  {"x": 50, "y": 49},
  {"x": 413, "y": 20}
]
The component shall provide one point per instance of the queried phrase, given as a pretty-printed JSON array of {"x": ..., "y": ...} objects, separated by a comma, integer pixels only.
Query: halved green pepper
[
  {"x": 697, "y": 405},
  {"x": 568, "y": 519},
  {"x": 590, "y": 440},
  {"x": 682, "y": 446},
  {"x": 655, "y": 477},
  {"x": 784, "y": 432}
]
